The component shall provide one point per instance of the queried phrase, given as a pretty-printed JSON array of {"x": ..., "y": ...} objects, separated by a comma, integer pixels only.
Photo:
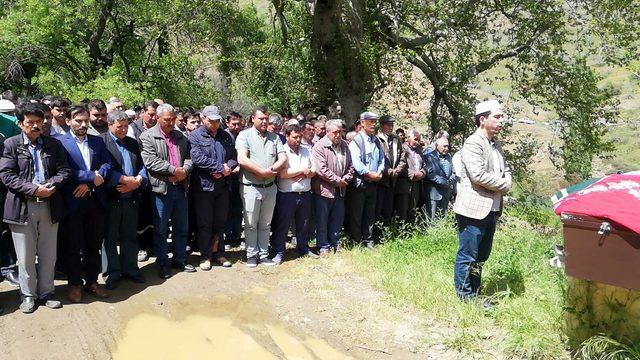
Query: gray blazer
[
  {"x": 155, "y": 156},
  {"x": 478, "y": 183}
]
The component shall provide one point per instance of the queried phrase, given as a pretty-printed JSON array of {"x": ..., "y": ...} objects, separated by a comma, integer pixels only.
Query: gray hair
[
  {"x": 441, "y": 134},
  {"x": 413, "y": 132},
  {"x": 276, "y": 119},
  {"x": 334, "y": 123},
  {"x": 164, "y": 107},
  {"x": 117, "y": 115}
]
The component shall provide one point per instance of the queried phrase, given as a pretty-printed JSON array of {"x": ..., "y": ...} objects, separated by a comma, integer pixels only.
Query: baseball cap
[
  {"x": 6, "y": 106},
  {"x": 212, "y": 112}
]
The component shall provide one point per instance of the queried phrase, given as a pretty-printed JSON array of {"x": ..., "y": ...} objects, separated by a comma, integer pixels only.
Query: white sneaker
[
  {"x": 143, "y": 256},
  {"x": 205, "y": 265}
]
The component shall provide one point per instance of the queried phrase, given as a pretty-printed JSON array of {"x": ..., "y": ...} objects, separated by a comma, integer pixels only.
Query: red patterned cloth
[{"x": 614, "y": 197}]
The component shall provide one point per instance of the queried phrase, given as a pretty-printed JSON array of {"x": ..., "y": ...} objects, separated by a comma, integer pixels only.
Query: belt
[
  {"x": 295, "y": 192},
  {"x": 37, "y": 199},
  {"x": 259, "y": 185}
]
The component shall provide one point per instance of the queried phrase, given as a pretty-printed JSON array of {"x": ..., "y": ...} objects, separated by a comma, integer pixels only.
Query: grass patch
[{"x": 416, "y": 267}]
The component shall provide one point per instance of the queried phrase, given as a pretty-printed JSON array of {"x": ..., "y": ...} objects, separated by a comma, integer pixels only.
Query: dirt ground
[{"x": 303, "y": 309}]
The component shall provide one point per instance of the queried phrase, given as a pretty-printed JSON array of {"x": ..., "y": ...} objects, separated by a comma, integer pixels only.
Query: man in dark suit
[
  {"x": 439, "y": 178},
  {"x": 33, "y": 167},
  {"x": 123, "y": 198},
  {"x": 395, "y": 164},
  {"x": 84, "y": 194}
]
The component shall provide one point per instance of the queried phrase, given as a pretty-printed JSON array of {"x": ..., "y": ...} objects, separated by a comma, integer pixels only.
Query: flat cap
[
  {"x": 368, "y": 115},
  {"x": 385, "y": 119},
  {"x": 212, "y": 112}
]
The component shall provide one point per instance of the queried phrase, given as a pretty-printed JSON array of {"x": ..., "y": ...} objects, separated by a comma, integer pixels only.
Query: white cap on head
[
  {"x": 486, "y": 106},
  {"x": 130, "y": 113},
  {"x": 6, "y": 106}
]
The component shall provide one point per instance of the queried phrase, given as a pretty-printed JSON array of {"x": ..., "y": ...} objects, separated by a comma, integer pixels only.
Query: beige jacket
[{"x": 478, "y": 182}]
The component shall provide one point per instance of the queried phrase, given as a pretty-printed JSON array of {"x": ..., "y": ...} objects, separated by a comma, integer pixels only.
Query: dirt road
[{"x": 303, "y": 309}]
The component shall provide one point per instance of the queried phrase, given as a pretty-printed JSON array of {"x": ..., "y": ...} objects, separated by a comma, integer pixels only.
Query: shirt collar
[
  {"x": 77, "y": 139},
  {"x": 118, "y": 141},
  {"x": 25, "y": 140},
  {"x": 364, "y": 134}
]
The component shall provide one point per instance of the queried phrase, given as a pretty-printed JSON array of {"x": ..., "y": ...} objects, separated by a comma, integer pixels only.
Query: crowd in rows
[{"x": 90, "y": 189}]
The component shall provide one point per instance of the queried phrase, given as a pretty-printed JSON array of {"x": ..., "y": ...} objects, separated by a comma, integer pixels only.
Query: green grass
[{"x": 416, "y": 268}]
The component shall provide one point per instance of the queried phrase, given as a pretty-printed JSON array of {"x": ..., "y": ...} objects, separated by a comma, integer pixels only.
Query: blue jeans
[
  {"x": 172, "y": 205},
  {"x": 475, "y": 238},
  {"x": 329, "y": 218},
  {"x": 291, "y": 206}
]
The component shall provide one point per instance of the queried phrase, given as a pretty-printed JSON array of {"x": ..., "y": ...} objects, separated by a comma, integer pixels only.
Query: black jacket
[{"x": 16, "y": 173}]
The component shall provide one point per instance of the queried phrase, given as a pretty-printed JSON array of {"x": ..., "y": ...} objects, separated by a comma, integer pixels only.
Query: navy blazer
[
  {"x": 117, "y": 164},
  {"x": 438, "y": 181},
  {"x": 100, "y": 162},
  {"x": 204, "y": 159}
]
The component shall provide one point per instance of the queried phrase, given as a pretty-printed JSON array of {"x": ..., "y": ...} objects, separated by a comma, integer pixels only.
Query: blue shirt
[
  {"x": 38, "y": 167},
  {"x": 127, "y": 167},
  {"x": 374, "y": 159}
]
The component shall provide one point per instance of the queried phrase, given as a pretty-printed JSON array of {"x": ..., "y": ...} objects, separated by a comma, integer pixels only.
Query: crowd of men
[{"x": 80, "y": 180}]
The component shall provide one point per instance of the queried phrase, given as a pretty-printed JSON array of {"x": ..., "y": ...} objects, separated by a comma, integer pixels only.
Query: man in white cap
[
  {"x": 367, "y": 156},
  {"x": 484, "y": 179}
]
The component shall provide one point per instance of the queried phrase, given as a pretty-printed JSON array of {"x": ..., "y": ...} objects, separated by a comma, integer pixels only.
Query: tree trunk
[{"x": 340, "y": 70}]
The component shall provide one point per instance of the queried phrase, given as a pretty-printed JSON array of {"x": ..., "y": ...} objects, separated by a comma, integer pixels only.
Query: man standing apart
[
  {"x": 293, "y": 201},
  {"x": 395, "y": 164},
  {"x": 32, "y": 168},
  {"x": 84, "y": 227},
  {"x": 332, "y": 161},
  {"x": 261, "y": 156},
  {"x": 129, "y": 177},
  {"x": 440, "y": 178},
  {"x": 214, "y": 159},
  {"x": 484, "y": 179},
  {"x": 165, "y": 153},
  {"x": 368, "y": 161}
]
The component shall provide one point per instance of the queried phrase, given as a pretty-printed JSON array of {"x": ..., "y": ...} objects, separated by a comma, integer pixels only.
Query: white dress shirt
[
  {"x": 297, "y": 161},
  {"x": 83, "y": 145}
]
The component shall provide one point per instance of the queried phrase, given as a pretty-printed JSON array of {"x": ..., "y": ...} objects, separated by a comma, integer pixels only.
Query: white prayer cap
[{"x": 486, "y": 106}]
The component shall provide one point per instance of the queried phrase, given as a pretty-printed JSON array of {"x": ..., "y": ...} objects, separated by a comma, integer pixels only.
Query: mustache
[{"x": 35, "y": 128}]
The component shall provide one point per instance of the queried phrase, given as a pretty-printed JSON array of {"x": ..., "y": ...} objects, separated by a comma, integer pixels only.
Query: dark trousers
[
  {"x": 291, "y": 206},
  {"x": 172, "y": 205},
  {"x": 145, "y": 221},
  {"x": 362, "y": 213},
  {"x": 438, "y": 208},
  {"x": 329, "y": 219},
  {"x": 211, "y": 208},
  {"x": 475, "y": 238},
  {"x": 122, "y": 220},
  {"x": 233, "y": 227},
  {"x": 82, "y": 240},
  {"x": 385, "y": 204}
]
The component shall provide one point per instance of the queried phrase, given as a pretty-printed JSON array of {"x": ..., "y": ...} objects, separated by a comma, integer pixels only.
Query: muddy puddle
[{"x": 221, "y": 327}]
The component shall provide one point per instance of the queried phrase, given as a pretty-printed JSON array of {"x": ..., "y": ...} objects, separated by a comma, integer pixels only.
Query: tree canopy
[{"x": 303, "y": 56}]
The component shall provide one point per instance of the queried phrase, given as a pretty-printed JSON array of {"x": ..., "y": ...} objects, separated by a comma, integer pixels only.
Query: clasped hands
[{"x": 83, "y": 190}]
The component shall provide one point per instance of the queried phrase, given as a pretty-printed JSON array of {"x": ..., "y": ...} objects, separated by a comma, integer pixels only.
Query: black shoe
[
  {"x": 183, "y": 267},
  {"x": 28, "y": 305},
  {"x": 252, "y": 261},
  {"x": 138, "y": 279},
  {"x": 369, "y": 245},
  {"x": 164, "y": 272},
  {"x": 112, "y": 284}
]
